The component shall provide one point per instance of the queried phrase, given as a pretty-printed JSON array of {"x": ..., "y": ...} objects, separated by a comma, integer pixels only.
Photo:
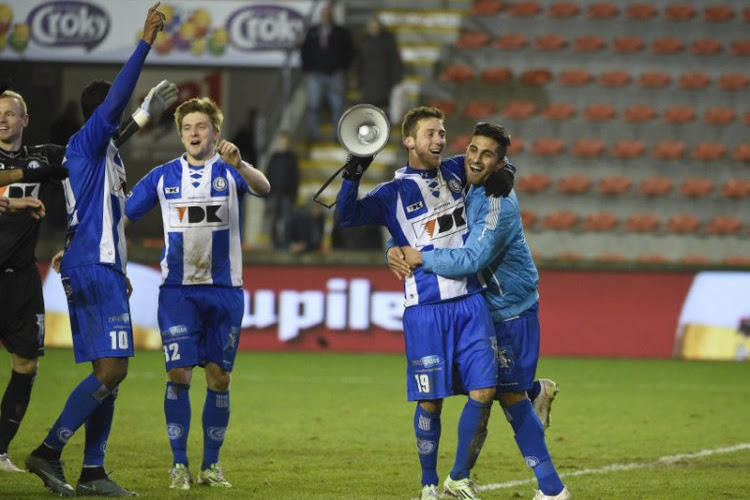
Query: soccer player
[
  {"x": 93, "y": 276},
  {"x": 29, "y": 172},
  {"x": 200, "y": 299},
  {"x": 446, "y": 321},
  {"x": 496, "y": 246}
]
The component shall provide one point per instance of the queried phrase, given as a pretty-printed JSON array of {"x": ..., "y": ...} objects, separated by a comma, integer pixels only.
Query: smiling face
[
  {"x": 199, "y": 137},
  {"x": 13, "y": 120},
  {"x": 427, "y": 144},
  {"x": 482, "y": 158}
]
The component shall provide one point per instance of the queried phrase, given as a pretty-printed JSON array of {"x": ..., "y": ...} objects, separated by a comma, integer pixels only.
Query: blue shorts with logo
[
  {"x": 518, "y": 350},
  {"x": 200, "y": 324},
  {"x": 99, "y": 312},
  {"x": 447, "y": 336}
]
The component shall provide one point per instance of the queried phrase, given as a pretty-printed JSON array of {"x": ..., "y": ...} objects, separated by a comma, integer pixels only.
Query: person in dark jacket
[
  {"x": 283, "y": 174},
  {"x": 379, "y": 67}
]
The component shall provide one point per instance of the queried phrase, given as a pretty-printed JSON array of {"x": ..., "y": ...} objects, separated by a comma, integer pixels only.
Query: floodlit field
[{"x": 337, "y": 426}]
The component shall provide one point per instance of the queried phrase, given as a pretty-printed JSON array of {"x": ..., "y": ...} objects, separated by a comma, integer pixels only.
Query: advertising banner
[{"x": 216, "y": 33}]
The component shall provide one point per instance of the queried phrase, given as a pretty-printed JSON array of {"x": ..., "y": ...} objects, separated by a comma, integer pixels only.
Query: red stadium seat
[
  {"x": 456, "y": 73},
  {"x": 448, "y": 107},
  {"x": 721, "y": 225},
  {"x": 588, "y": 148},
  {"x": 569, "y": 256},
  {"x": 639, "y": 113},
  {"x": 610, "y": 257},
  {"x": 614, "y": 78},
  {"x": 746, "y": 14},
  {"x": 681, "y": 12},
  {"x": 642, "y": 223},
  {"x": 718, "y": 13},
  {"x": 516, "y": 146},
  {"x": 559, "y": 111},
  {"x": 679, "y": 115},
  {"x": 480, "y": 109},
  {"x": 733, "y": 81},
  {"x": 510, "y": 41},
  {"x": 696, "y": 187},
  {"x": 667, "y": 46},
  {"x": 742, "y": 153},
  {"x": 550, "y": 43},
  {"x": 736, "y": 260},
  {"x": 683, "y": 224},
  {"x": 524, "y": 8},
  {"x": 528, "y": 219},
  {"x": 695, "y": 259},
  {"x": 519, "y": 110},
  {"x": 746, "y": 118},
  {"x": 599, "y": 112},
  {"x": 654, "y": 80},
  {"x": 740, "y": 48},
  {"x": 560, "y": 220},
  {"x": 573, "y": 184},
  {"x": 532, "y": 183},
  {"x": 536, "y": 77},
  {"x": 496, "y": 76},
  {"x": 562, "y": 10},
  {"x": 459, "y": 143},
  {"x": 614, "y": 185},
  {"x": 652, "y": 258},
  {"x": 736, "y": 188},
  {"x": 472, "y": 40},
  {"x": 574, "y": 77},
  {"x": 668, "y": 150},
  {"x": 641, "y": 11},
  {"x": 589, "y": 43},
  {"x": 627, "y": 149},
  {"x": 486, "y": 7},
  {"x": 628, "y": 44},
  {"x": 706, "y": 47},
  {"x": 604, "y": 10},
  {"x": 655, "y": 186},
  {"x": 695, "y": 80},
  {"x": 708, "y": 151},
  {"x": 548, "y": 146},
  {"x": 601, "y": 221},
  {"x": 719, "y": 116}
]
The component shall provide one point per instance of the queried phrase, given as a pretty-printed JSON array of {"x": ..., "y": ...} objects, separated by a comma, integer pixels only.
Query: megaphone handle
[{"x": 325, "y": 185}]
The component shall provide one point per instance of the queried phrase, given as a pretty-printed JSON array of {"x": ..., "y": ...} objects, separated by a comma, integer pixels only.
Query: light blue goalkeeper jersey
[
  {"x": 96, "y": 186},
  {"x": 423, "y": 209},
  {"x": 201, "y": 210}
]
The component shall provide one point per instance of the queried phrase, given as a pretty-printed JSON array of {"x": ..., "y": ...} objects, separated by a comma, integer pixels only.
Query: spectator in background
[
  {"x": 245, "y": 137},
  {"x": 327, "y": 53},
  {"x": 307, "y": 228},
  {"x": 66, "y": 124},
  {"x": 379, "y": 66},
  {"x": 283, "y": 174}
]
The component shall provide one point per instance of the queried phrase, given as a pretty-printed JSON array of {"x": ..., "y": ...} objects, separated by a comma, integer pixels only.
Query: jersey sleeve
[
  {"x": 144, "y": 195},
  {"x": 242, "y": 185},
  {"x": 369, "y": 210}
]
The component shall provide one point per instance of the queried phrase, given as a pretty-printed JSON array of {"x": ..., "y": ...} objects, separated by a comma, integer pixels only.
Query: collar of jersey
[{"x": 425, "y": 174}]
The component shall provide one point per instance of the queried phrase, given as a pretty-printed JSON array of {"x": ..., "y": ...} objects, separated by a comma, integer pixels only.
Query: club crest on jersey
[
  {"x": 172, "y": 190},
  {"x": 220, "y": 184},
  {"x": 33, "y": 164},
  {"x": 455, "y": 186}
]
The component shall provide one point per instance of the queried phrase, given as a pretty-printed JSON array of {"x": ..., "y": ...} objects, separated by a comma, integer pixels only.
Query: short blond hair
[
  {"x": 204, "y": 105},
  {"x": 9, "y": 94}
]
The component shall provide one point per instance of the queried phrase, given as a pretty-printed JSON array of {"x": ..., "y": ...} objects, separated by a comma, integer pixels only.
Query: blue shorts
[
  {"x": 442, "y": 337},
  {"x": 99, "y": 312},
  {"x": 200, "y": 324},
  {"x": 518, "y": 350}
]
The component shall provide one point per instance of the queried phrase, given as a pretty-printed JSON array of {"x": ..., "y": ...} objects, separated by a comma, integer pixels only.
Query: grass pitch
[{"x": 337, "y": 426}]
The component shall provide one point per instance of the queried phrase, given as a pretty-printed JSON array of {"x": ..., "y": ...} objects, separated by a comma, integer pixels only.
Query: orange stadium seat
[
  {"x": 652, "y": 258},
  {"x": 667, "y": 46},
  {"x": 718, "y": 13},
  {"x": 706, "y": 47},
  {"x": 708, "y": 151},
  {"x": 742, "y": 152},
  {"x": 588, "y": 148},
  {"x": 695, "y": 80},
  {"x": 573, "y": 184},
  {"x": 654, "y": 80},
  {"x": 733, "y": 81},
  {"x": 746, "y": 118},
  {"x": 642, "y": 223},
  {"x": 532, "y": 183},
  {"x": 559, "y": 111},
  {"x": 639, "y": 113},
  {"x": 574, "y": 77},
  {"x": 641, "y": 11},
  {"x": 524, "y": 8},
  {"x": 448, "y": 107},
  {"x": 459, "y": 143},
  {"x": 740, "y": 48},
  {"x": 697, "y": 259},
  {"x": 550, "y": 43},
  {"x": 548, "y": 146},
  {"x": 614, "y": 78},
  {"x": 746, "y": 14},
  {"x": 456, "y": 73},
  {"x": 679, "y": 115},
  {"x": 614, "y": 185},
  {"x": 589, "y": 43},
  {"x": 600, "y": 222},
  {"x": 569, "y": 256},
  {"x": 736, "y": 260},
  {"x": 562, "y": 10},
  {"x": 516, "y": 146},
  {"x": 680, "y": 12},
  {"x": 627, "y": 149},
  {"x": 486, "y": 7},
  {"x": 519, "y": 110},
  {"x": 510, "y": 41},
  {"x": 528, "y": 219},
  {"x": 668, "y": 150},
  {"x": 536, "y": 77},
  {"x": 560, "y": 220},
  {"x": 480, "y": 108},
  {"x": 628, "y": 44},
  {"x": 719, "y": 116},
  {"x": 735, "y": 188},
  {"x": 611, "y": 257},
  {"x": 599, "y": 112},
  {"x": 655, "y": 186},
  {"x": 683, "y": 224},
  {"x": 696, "y": 187},
  {"x": 721, "y": 225},
  {"x": 472, "y": 40},
  {"x": 603, "y": 10},
  {"x": 496, "y": 75}
]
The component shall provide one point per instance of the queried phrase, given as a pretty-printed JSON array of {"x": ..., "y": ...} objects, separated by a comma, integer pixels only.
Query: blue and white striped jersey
[
  {"x": 201, "y": 209},
  {"x": 423, "y": 209}
]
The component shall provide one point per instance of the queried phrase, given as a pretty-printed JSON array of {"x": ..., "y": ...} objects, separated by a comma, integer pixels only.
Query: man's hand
[
  {"x": 57, "y": 260},
  {"x": 159, "y": 98},
  {"x": 413, "y": 257},
  {"x": 45, "y": 172},
  {"x": 229, "y": 153},
  {"x": 355, "y": 166},
  {"x": 499, "y": 183},
  {"x": 4, "y": 202},
  {"x": 154, "y": 23},
  {"x": 397, "y": 263},
  {"x": 33, "y": 206}
]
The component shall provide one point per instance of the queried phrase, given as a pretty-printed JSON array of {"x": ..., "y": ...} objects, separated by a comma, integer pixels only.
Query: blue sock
[
  {"x": 97, "y": 431},
  {"x": 427, "y": 430},
  {"x": 177, "y": 413},
  {"x": 81, "y": 403},
  {"x": 215, "y": 421},
  {"x": 529, "y": 434},
  {"x": 536, "y": 388},
  {"x": 472, "y": 429}
]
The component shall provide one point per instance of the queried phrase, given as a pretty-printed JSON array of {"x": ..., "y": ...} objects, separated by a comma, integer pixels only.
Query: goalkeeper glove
[
  {"x": 45, "y": 172},
  {"x": 499, "y": 183},
  {"x": 355, "y": 166},
  {"x": 157, "y": 100}
]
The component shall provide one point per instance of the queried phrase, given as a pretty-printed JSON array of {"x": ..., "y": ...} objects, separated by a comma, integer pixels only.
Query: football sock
[
  {"x": 427, "y": 430},
  {"x": 536, "y": 388},
  {"x": 215, "y": 421},
  {"x": 81, "y": 403},
  {"x": 177, "y": 413},
  {"x": 13, "y": 407},
  {"x": 472, "y": 429},
  {"x": 92, "y": 473},
  {"x": 98, "y": 426},
  {"x": 529, "y": 434}
]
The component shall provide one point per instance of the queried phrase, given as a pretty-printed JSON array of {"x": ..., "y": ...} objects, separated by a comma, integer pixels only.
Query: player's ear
[{"x": 409, "y": 142}]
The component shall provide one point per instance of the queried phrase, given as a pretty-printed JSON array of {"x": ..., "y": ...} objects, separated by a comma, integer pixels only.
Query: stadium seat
[
  {"x": 548, "y": 146},
  {"x": 486, "y": 7},
  {"x": 642, "y": 223},
  {"x": 550, "y": 43},
  {"x": 654, "y": 80},
  {"x": 536, "y": 77},
  {"x": 746, "y": 14},
  {"x": 746, "y": 118},
  {"x": 639, "y": 113},
  {"x": 569, "y": 256},
  {"x": 602, "y": 11},
  {"x": 668, "y": 150},
  {"x": 628, "y": 44},
  {"x": 627, "y": 149},
  {"x": 528, "y": 219},
  {"x": 496, "y": 76},
  {"x": 708, "y": 151},
  {"x": 610, "y": 257},
  {"x": 614, "y": 78},
  {"x": 641, "y": 11},
  {"x": 573, "y": 184},
  {"x": 472, "y": 40},
  {"x": 532, "y": 183},
  {"x": 510, "y": 41},
  {"x": 736, "y": 260},
  {"x": 574, "y": 77},
  {"x": 588, "y": 148},
  {"x": 560, "y": 220},
  {"x": 695, "y": 259},
  {"x": 599, "y": 112},
  {"x": 480, "y": 108},
  {"x": 600, "y": 222},
  {"x": 706, "y": 47},
  {"x": 614, "y": 185},
  {"x": 563, "y": 10},
  {"x": 559, "y": 111},
  {"x": 735, "y": 188},
  {"x": 655, "y": 186},
  {"x": 733, "y": 81},
  {"x": 652, "y": 258},
  {"x": 519, "y": 110},
  {"x": 589, "y": 43},
  {"x": 680, "y": 12},
  {"x": 740, "y": 48},
  {"x": 448, "y": 107},
  {"x": 683, "y": 224},
  {"x": 516, "y": 146},
  {"x": 524, "y": 8},
  {"x": 742, "y": 153},
  {"x": 458, "y": 143},
  {"x": 456, "y": 73},
  {"x": 696, "y": 187},
  {"x": 719, "y": 116},
  {"x": 694, "y": 80},
  {"x": 718, "y": 13},
  {"x": 667, "y": 46},
  {"x": 679, "y": 115},
  {"x": 722, "y": 225}
]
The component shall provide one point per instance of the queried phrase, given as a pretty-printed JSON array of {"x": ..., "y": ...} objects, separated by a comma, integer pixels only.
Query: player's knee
[
  {"x": 24, "y": 366},
  {"x": 484, "y": 396},
  {"x": 510, "y": 398}
]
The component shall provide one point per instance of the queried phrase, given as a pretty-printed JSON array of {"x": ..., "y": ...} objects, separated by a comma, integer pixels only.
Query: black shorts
[{"x": 22, "y": 318}]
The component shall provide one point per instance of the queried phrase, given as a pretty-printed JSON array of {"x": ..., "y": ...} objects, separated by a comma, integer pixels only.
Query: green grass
[{"x": 338, "y": 426}]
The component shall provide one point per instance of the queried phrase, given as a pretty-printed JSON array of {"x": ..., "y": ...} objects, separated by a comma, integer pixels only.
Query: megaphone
[{"x": 363, "y": 130}]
